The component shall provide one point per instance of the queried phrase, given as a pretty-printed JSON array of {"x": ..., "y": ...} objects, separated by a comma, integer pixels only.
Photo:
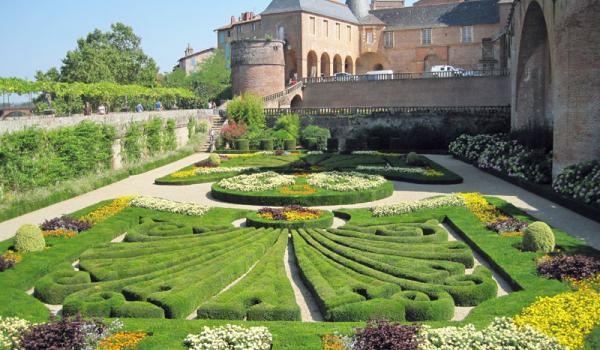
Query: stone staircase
[{"x": 217, "y": 125}]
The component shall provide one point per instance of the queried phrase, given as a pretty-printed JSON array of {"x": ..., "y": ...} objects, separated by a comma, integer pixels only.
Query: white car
[{"x": 446, "y": 71}]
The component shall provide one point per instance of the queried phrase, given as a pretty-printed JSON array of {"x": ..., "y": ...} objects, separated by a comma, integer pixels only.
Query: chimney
[
  {"x": 189, "y": 50},
  {"x": 233, "y": 20}
]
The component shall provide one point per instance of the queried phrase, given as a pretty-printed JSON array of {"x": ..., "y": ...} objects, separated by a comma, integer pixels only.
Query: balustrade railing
[
  {"x": 407, "y": 76},
  {"x": 299, "y": 85},
  {"x": 366, "y": 111}
]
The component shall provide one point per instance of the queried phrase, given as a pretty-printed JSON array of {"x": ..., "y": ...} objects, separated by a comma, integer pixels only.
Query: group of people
[{"x": 102, "y": 110}]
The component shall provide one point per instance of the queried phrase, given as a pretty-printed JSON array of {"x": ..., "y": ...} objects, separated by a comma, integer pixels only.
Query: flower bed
[
  {"x": 580, "y": 182},
  {"x": 292, "y": 217},
  {"x": 411, "y": 206},
  {"x": 160, "y": 204},
  {"x": 312, "y": 190},
  {"x": 257, "y": 182},
  {"x": 230, "y": 337},
  {"x": 345, "y": 182},
  {"x": 507, "y": 156}
]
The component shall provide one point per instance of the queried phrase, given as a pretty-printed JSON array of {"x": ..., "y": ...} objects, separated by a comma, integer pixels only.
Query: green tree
[
  {"x": 247, "y": 109},
  {"x": 113, "y": 56},
  {"x": 51, "y": 75},
  {"x": 175, "y": 79},
  {"x": 212, "y": 81}
]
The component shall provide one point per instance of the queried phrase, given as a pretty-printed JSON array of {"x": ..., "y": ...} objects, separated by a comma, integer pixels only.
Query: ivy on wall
[{"x": 149, "y": 138}]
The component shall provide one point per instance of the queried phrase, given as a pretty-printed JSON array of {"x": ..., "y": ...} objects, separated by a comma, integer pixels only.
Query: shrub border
[
  {"x": 339, "y": 198},
  {"x": 325, "y": 221}
]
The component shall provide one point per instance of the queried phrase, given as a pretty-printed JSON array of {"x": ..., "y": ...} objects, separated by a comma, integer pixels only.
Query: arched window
[{"x": 280, "y": 33}]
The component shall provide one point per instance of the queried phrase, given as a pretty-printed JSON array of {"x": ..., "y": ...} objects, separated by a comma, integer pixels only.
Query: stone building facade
[
  {"x": 192, "y": 60},
  {"x": 324, "y": 37}
]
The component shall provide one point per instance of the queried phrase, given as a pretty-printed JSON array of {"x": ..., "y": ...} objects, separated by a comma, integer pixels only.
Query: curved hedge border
[
  {"x": 325, "y": 221},
  {"x": 317, "y": 199}
]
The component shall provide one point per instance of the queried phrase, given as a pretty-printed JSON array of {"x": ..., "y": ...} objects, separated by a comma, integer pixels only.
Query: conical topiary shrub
[
  {"x": 539, "y": 238},
  {"x": 29, "y": 238}
]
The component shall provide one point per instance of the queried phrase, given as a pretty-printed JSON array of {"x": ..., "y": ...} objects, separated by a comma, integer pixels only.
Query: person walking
[
  {"x": 212, "y": 140},
  {"x": 139, "y": 108},
  {"x": 102, "y": 109},
  {"x": 158, "y": 106}
]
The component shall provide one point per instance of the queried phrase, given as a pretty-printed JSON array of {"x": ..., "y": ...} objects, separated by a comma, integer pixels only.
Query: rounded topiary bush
[
  {"x": 29, "y": 238},
  {"x": 333, "y": 145},
  {"x": 539, "y": 238},
  {"x": 267, "y": 145},
  {"x": 413, "y": 159},
  {"x": 214, "y": 159},
  {"x": 242, "y": 145},
  {"x": 289, "y": 145},
  {"x": 310, "y": 143}
]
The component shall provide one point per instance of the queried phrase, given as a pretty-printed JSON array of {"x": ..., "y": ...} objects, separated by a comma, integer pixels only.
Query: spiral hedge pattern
[{"x": 173, "y": 270}]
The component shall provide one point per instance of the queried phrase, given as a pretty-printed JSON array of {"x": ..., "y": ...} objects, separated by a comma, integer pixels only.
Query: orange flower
[
  {"x": 122, "y": 341},
  {"x": 60, "y": 232}
]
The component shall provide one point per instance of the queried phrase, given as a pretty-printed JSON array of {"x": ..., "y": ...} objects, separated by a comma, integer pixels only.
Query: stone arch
[
  {"x": 312, "y": 64},
  {"x": 291, "y": 64},
  {"x": 371, "y": 61},
  {"x": 430, "y": 61},
  {"x": 325, "y": 65},
  {"x": 296, "y": 102},
  {"x": 348, "y": 65},
  {"x": 534, "y": 74},
  {"x": 338, "y": 66}
]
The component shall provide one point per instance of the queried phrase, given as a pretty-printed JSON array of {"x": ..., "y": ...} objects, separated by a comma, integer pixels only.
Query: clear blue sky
[{"x": 36, "y": 34}]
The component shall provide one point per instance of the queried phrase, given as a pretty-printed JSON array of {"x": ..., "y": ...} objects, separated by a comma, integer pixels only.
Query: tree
[
  {"x": 114, "y": 56},
  {"x": 176, "y": 79},
  {"x": 213, "y": 80},
  {"x": 51, "y": 75}
]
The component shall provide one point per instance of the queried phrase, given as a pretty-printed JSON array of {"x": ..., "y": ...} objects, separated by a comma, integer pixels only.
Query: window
[
  {"x": 370, "y": 37},
  {"x": 467, "y": 34},
  {"x": 338, "y": 31},
  {"x": 313, "y": 26},
  {"x": 194, "y": 61},
  {"x": 229, "y": 34},
  {"x": 280, "y": 33},
  {"x": 349, "y": 30},
  {"x": 388, "y": 39},
  {"x": 326, "y": 28},
  {"x": 253, "y": 27},
  {"x": 426, "y": 36},
  {"x": 221, "y": 37}
]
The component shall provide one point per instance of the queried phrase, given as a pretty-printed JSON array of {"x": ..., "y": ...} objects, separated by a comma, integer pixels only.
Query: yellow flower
[
  {"x": 107, "y": 211},
  {"x": 10, "y": 255},
  {"x": 568, "y": 317},
  {"x": 184, "y": 173},
  {"x": 479, "y": 206},
  {"x": 298, "y": 190},
  {"x": 430, "y": 172}
]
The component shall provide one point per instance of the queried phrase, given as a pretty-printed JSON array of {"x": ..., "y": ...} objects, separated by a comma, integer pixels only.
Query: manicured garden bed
[
  {"x": 298, "y": 190},
  {"x": 311, "y": 218},
  {"x": 392, "y": 166},
  {"x": 177, "y": 257}
]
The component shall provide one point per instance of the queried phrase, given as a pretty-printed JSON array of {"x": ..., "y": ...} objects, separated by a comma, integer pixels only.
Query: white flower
[
  {"x": 365, "y": 153},
  {"x": 211, "y": 170},
  {"x": 408, "y": 207},
  {"x": 345, "y": 182},
  {"x": 230, "y": 337},
  {"x": 170, "y": 206},
  {"x": 11, "y": 332},
  {"x": 391, "y": 169},
  {"x": 257, "y": 182}
]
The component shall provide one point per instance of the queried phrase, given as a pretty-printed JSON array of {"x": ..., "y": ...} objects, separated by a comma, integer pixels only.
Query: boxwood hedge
[{"x": 325, "y": 221}]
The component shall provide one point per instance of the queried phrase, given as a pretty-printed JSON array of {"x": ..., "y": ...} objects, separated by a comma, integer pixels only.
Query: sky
[{"x": 36, "y": 34}]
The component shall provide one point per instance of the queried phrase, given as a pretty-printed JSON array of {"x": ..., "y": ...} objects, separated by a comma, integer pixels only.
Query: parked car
[
  {"x": 446, "y": 71},
  {"x": 342, "y": 76},
  {"x": 380, "y": 75}
]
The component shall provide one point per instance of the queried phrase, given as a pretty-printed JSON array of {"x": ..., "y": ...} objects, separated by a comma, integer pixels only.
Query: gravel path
[
  {"x": 309, "y": 310},
  {"x": 475, "y": 181}
]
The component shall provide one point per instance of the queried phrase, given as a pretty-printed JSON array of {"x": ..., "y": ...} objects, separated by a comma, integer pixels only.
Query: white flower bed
[
  {"x": 170, "y": 206},
  {"x": 391, "y": 169},
  {"x": 314, "y": 153},
  {"x": 365, "y": 153},
  {"x": 501, "y": 334},
  {"x": 230, "y": 337},
  {"x": 257, "y": 182},
  {"x": 408, "y": 207},
  {"x": 219, "y": 170},
  {"x": 345, "y": 182},
  {"x": 11, "y": 332}
]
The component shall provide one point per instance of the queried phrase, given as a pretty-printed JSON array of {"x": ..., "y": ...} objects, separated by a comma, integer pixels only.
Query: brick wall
[{"x": 466, "y": 91}]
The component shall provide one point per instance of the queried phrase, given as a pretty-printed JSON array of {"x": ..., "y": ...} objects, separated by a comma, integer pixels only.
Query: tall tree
[
  {"x": 213, "y": 80},
  {"x": 114, "y": 56}
]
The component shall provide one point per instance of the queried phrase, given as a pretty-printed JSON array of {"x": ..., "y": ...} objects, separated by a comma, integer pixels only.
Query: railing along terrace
[
  {"x": 407, "y": 76},
  {"x": 358, "y": 111},
  {"x": 289, "y": 90}
]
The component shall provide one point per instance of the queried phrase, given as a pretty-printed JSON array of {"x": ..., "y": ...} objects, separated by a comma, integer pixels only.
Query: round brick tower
[{"x": 257, "y": 66}]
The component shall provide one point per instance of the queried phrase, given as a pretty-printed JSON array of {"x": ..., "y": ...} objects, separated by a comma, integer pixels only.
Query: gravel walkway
[{"x": 475, "y": 181}]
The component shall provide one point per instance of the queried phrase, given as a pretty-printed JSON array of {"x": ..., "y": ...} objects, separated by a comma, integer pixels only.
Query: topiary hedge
[
  {"x": 29, "y": 238},
  {"x": 325, "y": 221},
  {"x": 242, "y": 145},
  {"x": 539, "y": 238},
  {"x": 267, "y": 145},
  {"x": 289, "y": 145}
]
